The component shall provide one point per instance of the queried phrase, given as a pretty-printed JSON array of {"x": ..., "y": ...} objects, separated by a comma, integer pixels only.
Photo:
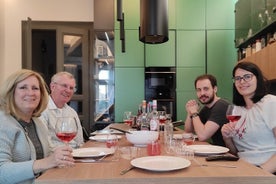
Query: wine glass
[
  {"x": 162, "y": 117},
  {"x": 128, "y": 118},
  {"x": 233, "y": 115},
  {"x": 66, "y": 129}
]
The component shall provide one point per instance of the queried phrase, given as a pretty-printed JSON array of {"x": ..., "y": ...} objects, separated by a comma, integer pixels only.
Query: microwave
[{"x": 160, "y": 78}]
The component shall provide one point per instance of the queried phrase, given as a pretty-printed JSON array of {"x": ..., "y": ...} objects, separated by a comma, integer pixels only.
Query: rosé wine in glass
[
  {"x": 233, "y": 115},
  {"x": 111, "y": 141},
  {"x": 66, "y": 137},
  {"x": 233, "y": 118},
  {"x": 66, "y": 129}
]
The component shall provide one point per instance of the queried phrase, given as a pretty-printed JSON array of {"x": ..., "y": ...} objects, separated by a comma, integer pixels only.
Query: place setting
[{"x": 97, "y": 154}]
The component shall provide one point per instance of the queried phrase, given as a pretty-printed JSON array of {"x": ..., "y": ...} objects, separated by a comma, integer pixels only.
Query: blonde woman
[{"x": 24, "y": 147}]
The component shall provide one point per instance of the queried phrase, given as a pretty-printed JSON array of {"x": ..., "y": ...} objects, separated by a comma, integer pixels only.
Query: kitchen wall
[
  {"x": 201, "y": 40},
  {"x": 12, "y": 12}
]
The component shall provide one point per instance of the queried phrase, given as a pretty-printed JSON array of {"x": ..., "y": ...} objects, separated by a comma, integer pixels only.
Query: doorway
[{"x": 50, "y": 47}]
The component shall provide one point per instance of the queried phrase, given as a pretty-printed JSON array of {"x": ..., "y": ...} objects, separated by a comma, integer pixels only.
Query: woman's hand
[
  {"x": 228, "y": 130},
  {"x": 62, "y": 156}
]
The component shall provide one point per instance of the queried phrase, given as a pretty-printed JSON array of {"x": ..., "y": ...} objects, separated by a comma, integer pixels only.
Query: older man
[
  {"x": 62, "y": 86},
  {"x": 207, "y": 122}
]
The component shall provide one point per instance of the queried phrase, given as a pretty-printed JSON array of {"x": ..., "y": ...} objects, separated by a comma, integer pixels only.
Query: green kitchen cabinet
[
  {"x": 182, "y": 98},
  {"x": 129, "y": 90},
  {"x": 161, "y": 54},
  {"x": 190, "y": 14},
  {"x": 221, "y": 58},
  {"x": 185, "y": 78},
  {"x": 214, "y": 11},
  {"x": 171, "y": 14},
  {"x": 131, "y": 10},
  {"x": 134, "y": 50},
  {"x": 190, "y": 48}
]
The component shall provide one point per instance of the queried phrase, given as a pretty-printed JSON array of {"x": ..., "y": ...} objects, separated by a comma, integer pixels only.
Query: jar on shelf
[
  {"x": 248, "y": 51},
  {"x": 258, "y": 45}
]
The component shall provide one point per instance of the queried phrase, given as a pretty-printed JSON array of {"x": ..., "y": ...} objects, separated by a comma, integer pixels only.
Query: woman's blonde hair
[{"x": 7, "y": 90}]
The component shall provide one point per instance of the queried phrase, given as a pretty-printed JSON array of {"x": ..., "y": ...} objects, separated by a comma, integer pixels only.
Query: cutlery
[
  {"x": 126, "y": 170},
  {"x": 213, "y": 164},
  {"x": 90, "y": 160},
  {"x": 124, "y": 131}
]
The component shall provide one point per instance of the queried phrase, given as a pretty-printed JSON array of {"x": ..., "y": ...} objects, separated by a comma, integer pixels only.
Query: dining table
[{"x": 200, "y": 171}]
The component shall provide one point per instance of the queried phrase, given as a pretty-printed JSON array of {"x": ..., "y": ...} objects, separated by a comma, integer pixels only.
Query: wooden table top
[{"x": 109, "y": 172}]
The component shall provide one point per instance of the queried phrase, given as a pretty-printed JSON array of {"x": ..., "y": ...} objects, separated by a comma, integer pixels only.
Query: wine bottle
[
  {"x": 154, "y": 117},
  {"x": 143, "y": 117}
]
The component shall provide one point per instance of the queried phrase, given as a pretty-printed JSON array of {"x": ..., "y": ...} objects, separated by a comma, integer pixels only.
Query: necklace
[{"x": 26, "y": 126}]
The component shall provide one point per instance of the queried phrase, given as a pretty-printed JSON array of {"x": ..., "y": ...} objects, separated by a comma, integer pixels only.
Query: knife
[
  {"x": 124, "y": 131},
  {"x": 90, "y": 161}
]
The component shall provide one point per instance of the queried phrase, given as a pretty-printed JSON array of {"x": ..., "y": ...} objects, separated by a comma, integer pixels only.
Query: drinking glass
[
  {"x": 66, "y": 129},
  {"x": 233, "y": 115},
  {"x": 112, "y": 142},
  {"x": 162, "y": 117},
  {"x": 154, "y": 148},
  {"x": 128, "y": 118},
  {"x": 188, "y": 138}
]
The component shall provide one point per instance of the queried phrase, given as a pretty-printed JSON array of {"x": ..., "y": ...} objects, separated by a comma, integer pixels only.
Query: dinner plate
[
  {"x": 92, "y": 152},
  {"x": 160, "y": 163},
  {"x": 103, "y": 138},
  {"x": 177, "y": 136},
  {"x": 208, "y": 149},
  {"x": 180, "y": 136},
  {"x": 106, "y": 131}
]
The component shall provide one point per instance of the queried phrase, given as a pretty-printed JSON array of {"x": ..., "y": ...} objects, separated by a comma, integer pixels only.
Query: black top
[
  {"x": 217, "y": 114},
  {"x": 30, "y": 131}
]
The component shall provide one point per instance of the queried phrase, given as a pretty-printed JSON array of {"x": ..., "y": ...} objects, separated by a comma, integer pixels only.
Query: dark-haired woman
[{"x": 253, "y": 137}]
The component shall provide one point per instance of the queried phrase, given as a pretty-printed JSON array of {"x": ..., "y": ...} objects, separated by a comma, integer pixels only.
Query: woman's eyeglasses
[{"x": 245, "y": 77}]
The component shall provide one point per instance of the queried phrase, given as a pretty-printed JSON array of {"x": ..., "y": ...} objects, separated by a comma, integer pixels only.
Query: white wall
[
  {"x": 12, "y": 12},
  {"x": 2, "y": 13}
]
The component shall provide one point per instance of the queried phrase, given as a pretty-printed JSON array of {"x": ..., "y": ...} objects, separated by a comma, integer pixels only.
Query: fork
[{"x": 126, "y": 170}]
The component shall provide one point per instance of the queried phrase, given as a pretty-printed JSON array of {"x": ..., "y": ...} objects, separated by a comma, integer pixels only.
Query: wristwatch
[{"x": 194, "y": 115}]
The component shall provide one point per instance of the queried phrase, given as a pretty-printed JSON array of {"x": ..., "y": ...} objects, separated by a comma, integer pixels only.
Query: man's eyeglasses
[
  {"x": 245, "y": 77},
  {"x": 65, "y": 86}
]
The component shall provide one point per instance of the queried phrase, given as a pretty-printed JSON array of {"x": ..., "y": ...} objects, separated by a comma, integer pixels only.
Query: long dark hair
[{"x": 261, "y": 89}]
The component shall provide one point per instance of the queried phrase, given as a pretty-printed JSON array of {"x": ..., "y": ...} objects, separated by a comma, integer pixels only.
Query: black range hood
[{"x": 153, "y": 21}]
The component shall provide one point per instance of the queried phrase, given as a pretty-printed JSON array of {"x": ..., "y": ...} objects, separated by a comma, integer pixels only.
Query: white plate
[
  {"x": 106, "y": 131},
  {"x": 160, "y": 163},
  {"x": 102, "y": 138},
  {"x": 208, "y": 149},
  {"x": 92, "y": 152},
  {"x": 180, "y": 136},
  {"x": 177, "y": 136}
]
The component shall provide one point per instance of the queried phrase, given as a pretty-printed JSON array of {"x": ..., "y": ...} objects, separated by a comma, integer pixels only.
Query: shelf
[{"x": 268, "y": 29}]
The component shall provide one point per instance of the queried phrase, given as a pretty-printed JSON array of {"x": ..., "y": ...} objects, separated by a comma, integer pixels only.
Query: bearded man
[{"x": 206, "y": 122}]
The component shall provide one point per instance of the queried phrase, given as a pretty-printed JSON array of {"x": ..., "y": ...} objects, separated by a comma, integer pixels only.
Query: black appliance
[{"x": 160, "y": 84}]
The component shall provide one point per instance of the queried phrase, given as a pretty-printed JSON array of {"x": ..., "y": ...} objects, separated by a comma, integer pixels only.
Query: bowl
[{"x": 142, "y": 138}]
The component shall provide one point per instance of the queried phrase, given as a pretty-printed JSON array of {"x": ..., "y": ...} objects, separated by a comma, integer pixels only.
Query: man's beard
[{"x": 209, "y": 101}]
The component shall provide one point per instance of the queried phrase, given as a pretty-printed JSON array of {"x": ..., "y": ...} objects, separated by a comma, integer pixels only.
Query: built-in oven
[
  {"x": 160, "y": 84},
  {"x": 160, "y": 77}
]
